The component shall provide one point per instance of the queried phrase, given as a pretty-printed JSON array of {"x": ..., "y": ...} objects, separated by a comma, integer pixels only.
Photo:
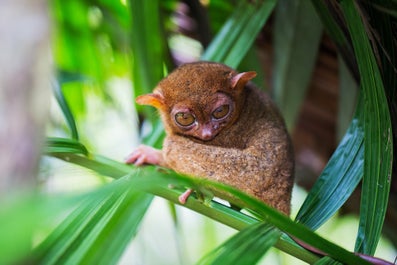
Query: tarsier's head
[{"x": 199, "y": 99}]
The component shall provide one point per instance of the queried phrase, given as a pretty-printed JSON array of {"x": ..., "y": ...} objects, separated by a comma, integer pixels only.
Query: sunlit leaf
[
  {"x": 246, "y": 247},
  {"x": 149, "y": 49},
  {"x": 75, "y": 48},
  {"x": 22, "y": 216},
  {"x": 67, "y": 113},
  {"x": 148, "y": 45},
  {"x": 64, "y": 145},
  {"x": 98, "y": 231},
  {"x": 18, "y": 221}
]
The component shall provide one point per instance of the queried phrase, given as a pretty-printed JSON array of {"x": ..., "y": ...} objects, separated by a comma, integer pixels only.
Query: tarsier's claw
[
  {"x": 131, "y": 159},
  {"x": 140, "y": 160}
]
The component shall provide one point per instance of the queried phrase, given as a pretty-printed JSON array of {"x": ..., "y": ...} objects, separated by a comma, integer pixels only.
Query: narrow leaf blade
[
  {"x": 327, "y": 261},
  {"x": 67, "y": 113},
  {"x": 113, "y": 212},
  {"x": 148, "y": 63},
  {"x": 339, "y": 178},
  {"x": 63, "y": 145},
  {"x": 378, "y": 136},
  {"x": 239, "y": 32},
  {"x": 246, "y": 247},
  {"x": 297, "y": 35}
]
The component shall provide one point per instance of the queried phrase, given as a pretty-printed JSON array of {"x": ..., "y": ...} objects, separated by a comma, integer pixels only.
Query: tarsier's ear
[
  {"x": 154, "y": 99},
  {"x": 239, "y": 80}
]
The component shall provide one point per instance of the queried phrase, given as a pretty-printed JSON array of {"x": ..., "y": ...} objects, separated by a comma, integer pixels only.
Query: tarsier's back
[{"x": 220, "y": 126}]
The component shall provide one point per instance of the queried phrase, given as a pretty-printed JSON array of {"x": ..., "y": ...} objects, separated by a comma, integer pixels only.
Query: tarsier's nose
[{"x": 206, "y": 133}]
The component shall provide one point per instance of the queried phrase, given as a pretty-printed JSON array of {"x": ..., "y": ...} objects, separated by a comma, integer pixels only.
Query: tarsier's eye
[
  {"x": 184, "y": 119},
  {"x": 221, "y": 112}
]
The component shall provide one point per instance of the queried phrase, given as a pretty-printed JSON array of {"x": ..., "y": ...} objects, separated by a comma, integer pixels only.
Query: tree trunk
[{"x": 24, "y": 90}]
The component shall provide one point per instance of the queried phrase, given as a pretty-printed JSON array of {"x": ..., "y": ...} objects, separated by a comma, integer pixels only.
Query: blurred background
[{"x": 94, "y": 51}]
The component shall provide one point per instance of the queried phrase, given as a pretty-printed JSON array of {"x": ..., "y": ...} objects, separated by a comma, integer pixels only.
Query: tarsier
[{"x": 221, "y": 127}]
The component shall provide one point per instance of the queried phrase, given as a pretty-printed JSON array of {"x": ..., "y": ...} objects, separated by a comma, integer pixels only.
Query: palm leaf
[
  {"x": 297, "y": 34},
  {"x": 56, "y": 87},
  {"x": 18, "y": 220},
  {"x": 239, "y": 32},
  {"x": 149, "y": 56},
  {"x": 348, "y": 93},
  {"x": 336, "y": 29},
  {"x": 327, "y": 261},
  {"x": 378, "y": 136},
  {"x": 83, "y": 237},
  {"x": 339, "y": 178},
  {"x": 157, "y": 182},
  {"x": 384, "y": 26},
  {"x": 259, "y": 237},
  {"x": 71, "y": 17},
  {"x": 148, "y": 63},
  {"x": 251, "y": 62},
  {"x": 63, "y": 145}
]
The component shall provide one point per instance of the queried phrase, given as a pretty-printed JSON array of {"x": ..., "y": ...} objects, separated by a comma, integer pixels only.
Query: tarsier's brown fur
[{"x": 252, "y": 152}]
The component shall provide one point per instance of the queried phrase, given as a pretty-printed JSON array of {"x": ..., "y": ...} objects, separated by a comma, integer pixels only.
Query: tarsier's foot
[
  {"x": 145, "y": 155},
  {"x": 184, "y": 196}
]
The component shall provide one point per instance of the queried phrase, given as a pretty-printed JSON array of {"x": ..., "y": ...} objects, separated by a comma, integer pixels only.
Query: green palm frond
[{"x": 259, "y": 237}]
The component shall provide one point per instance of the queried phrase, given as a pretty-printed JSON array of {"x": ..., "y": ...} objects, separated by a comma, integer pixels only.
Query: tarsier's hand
[
  {"x": 145, "y": 155},
  {"x": 148, "y": 155}
]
